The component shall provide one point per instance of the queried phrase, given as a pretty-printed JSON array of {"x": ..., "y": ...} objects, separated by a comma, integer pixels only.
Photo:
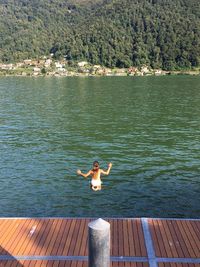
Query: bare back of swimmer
[{"x": 96, "y": 172}]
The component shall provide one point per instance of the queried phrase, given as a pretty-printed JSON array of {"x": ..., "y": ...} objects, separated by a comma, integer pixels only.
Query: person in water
[{"x": 96, "y": 175}]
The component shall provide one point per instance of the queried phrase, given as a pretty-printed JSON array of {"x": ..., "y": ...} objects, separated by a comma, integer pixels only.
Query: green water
[{"x": 148, "y": 127}]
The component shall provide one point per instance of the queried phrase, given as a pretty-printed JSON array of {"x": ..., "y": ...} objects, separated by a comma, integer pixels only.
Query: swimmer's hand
[
  {"x": 110, "y": 165},
  {"x": 78, "y": 172}
]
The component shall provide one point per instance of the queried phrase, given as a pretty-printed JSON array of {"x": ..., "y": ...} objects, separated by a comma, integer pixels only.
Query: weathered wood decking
[{"x": 134, "y": 242}]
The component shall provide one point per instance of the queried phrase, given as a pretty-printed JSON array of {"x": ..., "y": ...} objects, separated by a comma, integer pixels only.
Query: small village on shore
[{"x": 50, "y": 67}]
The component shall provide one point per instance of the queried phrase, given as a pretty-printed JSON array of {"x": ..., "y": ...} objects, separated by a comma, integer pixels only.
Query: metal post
[{"x": 99, "y": 243}]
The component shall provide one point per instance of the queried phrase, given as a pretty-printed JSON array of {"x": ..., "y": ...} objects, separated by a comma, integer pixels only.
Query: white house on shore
[
  {"x": 82, "y": 63},
  {"x": 6, "y": 66}
]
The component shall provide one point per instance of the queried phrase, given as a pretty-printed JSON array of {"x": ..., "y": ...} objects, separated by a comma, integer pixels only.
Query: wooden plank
[
  {"x": 141, "y": 239},
  {"x": 50, "y": 237},
  {"x": 61, "y": 232},
  {"x": 35, "y": 238},
  {"x": 44, "y": 264},
  {"x": 52, "y": 263},
  {"x": 56, "y": 263},
  {"x": 125, "y": 238},
  {"x": 85, "y": 243},
  {"x": 62, "y": 264},
  {"x": 27, "y": 263},
  {"x": 2, "y": 263},
  {"x": 4, "y": 230},
  {"x": 32, "y": 264},
  {"x": 121, "y": 240},
  {"x": 172, "y": 264},
  {"x": 79, "y": 264},
  {"x": 115, "y": 241},
  {"x": 157, "y": 240},
  {"x": 80, "y": 238},
  {"x": 75, "y": 236},
  {"x": 131, "y": 240},
  {"x": 69, "y": 237},
  {"x": 154, "y": 237},
  {"x": 4, "y": 224},
  {"x": 178, "y": 241},
  {"x": 169, "y": 235},
  {"x": 47, "y": 232},
  {"x": 66, "y": 246},
  {"x": 7, "y": 234},
  {"x": 64, "y": 233},
  {"x": 161, "y": 264},
  {"x": 183, "y": 231},
  {"x": 83, "y": 248},
  {"x": 21, "y": 241},
  {"x": 54, "y": 238},
  {"x": 27, "y": 238},
  {"x": 19, "y": 237},
  {"x": 6, "y": 264},
  {"x": 196, "y": 230},
  {"x": 136, "y": 238},
  {"x": 127, "y": 264},
  {"x": 73, "y": 264},
  {"x": 195, "y": 242},
  {"x": 162, "y": 238},
  {"x": 15, "y": 234},
  {"x": 41, "y": 237},
  {"x": 49, "y": 263},
  {"x": 198, "y": 224},
  {"x": 139, "y": 264}
]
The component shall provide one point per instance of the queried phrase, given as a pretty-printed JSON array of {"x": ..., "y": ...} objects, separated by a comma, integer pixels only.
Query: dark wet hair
[{"x": 95, "y": 163}]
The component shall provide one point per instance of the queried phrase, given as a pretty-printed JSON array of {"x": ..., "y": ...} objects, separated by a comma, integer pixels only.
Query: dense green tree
[{"x": 115, "y": 33}]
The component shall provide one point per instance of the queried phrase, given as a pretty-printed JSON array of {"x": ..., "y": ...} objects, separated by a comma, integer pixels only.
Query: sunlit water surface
[{"x": 148, "y": 127}]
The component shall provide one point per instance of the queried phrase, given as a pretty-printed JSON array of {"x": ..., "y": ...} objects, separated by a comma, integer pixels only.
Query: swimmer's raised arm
[
  {"x": 79, "y": 172},
  {"x": 108, "y": 170}
]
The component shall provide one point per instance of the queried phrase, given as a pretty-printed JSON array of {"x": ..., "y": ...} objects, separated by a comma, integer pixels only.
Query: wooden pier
[{"x": 61, "y": 242}]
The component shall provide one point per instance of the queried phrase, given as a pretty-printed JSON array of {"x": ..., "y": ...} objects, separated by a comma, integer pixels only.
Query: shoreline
[
  {"x": 76, "y": 74},
  {"x": 51, "y": 68}
]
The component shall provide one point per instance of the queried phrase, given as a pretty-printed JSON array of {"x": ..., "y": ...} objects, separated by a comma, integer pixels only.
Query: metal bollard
[{"x": 99, "y": 243}]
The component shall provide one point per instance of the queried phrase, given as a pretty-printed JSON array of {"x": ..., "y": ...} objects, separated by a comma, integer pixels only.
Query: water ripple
[{"x": 148, "y": 127}]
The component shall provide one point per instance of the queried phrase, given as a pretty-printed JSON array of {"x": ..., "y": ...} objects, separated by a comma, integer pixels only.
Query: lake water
[{"x": 148, "y": 127}]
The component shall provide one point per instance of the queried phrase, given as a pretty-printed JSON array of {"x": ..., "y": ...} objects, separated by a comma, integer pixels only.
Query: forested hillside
[{"x": 115, "y": 33}]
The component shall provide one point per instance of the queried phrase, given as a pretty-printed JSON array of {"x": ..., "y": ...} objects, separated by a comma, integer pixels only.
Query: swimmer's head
[{"x": 96, "y": 165}]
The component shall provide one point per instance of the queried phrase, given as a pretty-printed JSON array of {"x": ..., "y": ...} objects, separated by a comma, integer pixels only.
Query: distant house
[
  {"x": 59, "y": 67},
  {"x": 145, "y": 69},
  {"x": 36, "y": 69},
  {"x": 47, "y": 63},
  {"x": 28, "y": 62},
  {"x": 132, "y": 71},
  {"x": 36, "y": 63},
  {"x": 96, "y": 66},
  {"x": 82, "y": 63},
  {"x": 19, "y": 64},
  {"x": 6, "y": 66},
  {"x": 158, "y": 72},
  {"x": 104, "y": 71}
]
